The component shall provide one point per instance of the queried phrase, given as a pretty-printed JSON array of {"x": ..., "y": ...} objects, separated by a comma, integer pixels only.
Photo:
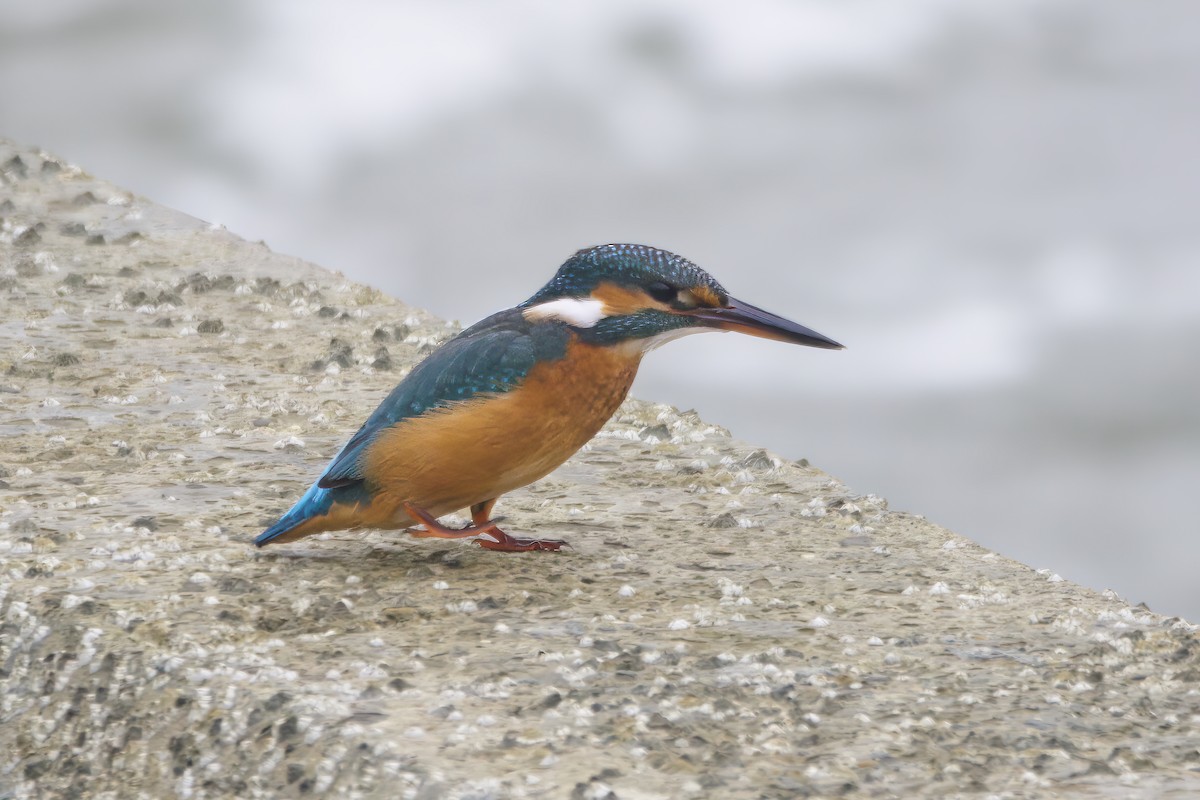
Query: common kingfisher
[{"x": 510, "y": 398}]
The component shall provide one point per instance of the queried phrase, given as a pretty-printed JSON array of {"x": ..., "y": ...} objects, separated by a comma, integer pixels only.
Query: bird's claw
[
  {"x": 512, "y": 544},
  {"x": 490, "y": 537}
]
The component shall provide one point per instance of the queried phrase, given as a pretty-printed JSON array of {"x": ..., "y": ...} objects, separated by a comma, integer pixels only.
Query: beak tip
[
  {"x": 811, "y": 338},
  {"x": 745, "y": 318}
]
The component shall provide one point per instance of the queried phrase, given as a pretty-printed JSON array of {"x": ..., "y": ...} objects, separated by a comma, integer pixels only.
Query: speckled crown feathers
[{"x": 623, "y": 264}]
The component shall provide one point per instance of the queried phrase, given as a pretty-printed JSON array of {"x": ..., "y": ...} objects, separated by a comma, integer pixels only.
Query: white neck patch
[
  {"x": 659, "y": 339},
  {"x": 580, "y": 312}
]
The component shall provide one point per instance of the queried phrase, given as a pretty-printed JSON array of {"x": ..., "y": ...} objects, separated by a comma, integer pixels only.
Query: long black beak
[{"x": 745, "y": 318}]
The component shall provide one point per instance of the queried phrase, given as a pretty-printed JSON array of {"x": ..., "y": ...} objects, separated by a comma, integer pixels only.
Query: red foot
[
  {"x": 512, "y": 544},
  {"x": 499, "y": 540}
]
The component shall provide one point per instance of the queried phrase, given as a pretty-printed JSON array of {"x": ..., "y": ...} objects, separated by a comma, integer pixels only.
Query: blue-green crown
[{"x": 633, "y": 265}]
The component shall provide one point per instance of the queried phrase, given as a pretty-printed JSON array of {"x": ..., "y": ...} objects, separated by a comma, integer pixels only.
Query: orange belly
[{"x": 477, "y": 450}]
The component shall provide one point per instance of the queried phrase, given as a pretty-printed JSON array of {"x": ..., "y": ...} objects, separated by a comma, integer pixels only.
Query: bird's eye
[{"x": 662, "y": 292}]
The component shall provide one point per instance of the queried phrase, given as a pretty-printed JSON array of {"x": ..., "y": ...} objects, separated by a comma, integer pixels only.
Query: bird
[{"x": 506, "y": 401}]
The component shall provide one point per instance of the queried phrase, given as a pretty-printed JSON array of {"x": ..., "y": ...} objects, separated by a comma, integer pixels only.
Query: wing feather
[{"x": 491, "y": 357}]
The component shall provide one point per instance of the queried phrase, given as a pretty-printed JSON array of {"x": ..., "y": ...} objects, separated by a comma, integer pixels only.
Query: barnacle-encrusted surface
[{"x": 726, "y": 624}]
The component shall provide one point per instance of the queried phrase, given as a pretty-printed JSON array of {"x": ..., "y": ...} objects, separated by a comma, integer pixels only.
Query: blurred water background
[{"x": 993, "y": 204}]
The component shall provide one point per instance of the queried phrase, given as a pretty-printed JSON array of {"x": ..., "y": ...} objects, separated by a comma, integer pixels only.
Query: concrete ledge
[{"x": 727, "y": 624}]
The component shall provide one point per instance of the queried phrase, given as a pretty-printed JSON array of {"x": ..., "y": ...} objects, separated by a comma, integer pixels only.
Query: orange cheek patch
[
  {"x": 619, "y": 301},
  {"x": 706, "y": 296}
]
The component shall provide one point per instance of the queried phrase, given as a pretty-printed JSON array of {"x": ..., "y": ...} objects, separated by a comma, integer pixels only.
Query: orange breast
[{"x": 452, "y": 458}]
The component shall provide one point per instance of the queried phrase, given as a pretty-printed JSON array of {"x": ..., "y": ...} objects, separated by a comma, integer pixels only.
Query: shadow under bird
[{"x": 509, "y": 399}]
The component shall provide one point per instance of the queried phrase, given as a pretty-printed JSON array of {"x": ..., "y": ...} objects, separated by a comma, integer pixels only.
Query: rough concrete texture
[{"x": 726, "y": 623}]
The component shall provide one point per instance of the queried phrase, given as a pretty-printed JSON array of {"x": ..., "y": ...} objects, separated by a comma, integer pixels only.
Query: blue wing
[{"x": 490, "y": 357}]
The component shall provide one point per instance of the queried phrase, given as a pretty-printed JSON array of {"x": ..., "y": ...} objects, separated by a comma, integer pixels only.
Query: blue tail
[{"x": 316, "y": 502}]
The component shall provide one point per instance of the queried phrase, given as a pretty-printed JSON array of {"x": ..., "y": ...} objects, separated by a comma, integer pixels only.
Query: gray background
[{"x": 993, "y": 204}]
